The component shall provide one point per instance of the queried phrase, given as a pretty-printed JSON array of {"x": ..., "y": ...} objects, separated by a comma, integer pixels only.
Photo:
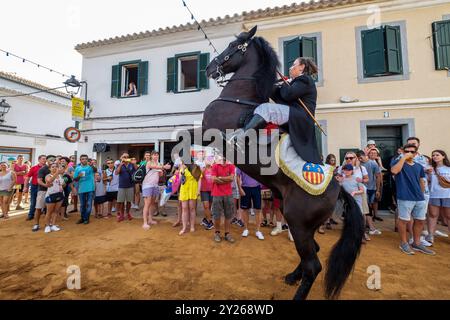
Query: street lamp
[
  {"x": 4, "y": 109},
  {"x": 72, "y": 82}
]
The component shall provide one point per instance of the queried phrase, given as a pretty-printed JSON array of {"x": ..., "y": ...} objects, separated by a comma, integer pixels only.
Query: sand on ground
[{"x": 123, "y": 261}]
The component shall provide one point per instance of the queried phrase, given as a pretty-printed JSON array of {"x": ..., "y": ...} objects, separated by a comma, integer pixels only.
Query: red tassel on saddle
[{"x": 270, "y": 126}]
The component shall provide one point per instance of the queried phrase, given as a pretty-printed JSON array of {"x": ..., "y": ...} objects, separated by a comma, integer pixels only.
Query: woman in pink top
[
  {"x": 205, "y": 195},
  {"x": 21, "y": 170},
  {"x": 150, "y": 189}
]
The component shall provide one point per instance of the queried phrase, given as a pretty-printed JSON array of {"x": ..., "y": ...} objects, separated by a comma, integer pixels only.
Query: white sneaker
[
  {"x": 113, "y": 210},
  {"x": 47, "y": 229},
  {"x": 440, "y": 234},
  {"x": 55, "y": 228},
  {"x": 134, "y": 206},
  {"x": 245, "y": 233},
  {"x": 425, "y": 242},
  {"x": 375, "y": 232},
  {"x": 275, "y": 231},
  {"x": 259, "y": 235},
  {"x": 252, "y": 212}
]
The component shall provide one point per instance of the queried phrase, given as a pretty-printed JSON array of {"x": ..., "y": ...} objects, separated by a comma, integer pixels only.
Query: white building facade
[
  {"x": 172, "y": 91},
  {"x": 34, "y": 124}
]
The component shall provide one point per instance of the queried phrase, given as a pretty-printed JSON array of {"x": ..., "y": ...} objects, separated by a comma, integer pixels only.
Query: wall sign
[{"x": 72, "y": 134}]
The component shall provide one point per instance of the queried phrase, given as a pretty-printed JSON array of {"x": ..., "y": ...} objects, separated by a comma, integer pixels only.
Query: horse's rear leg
[{"x": 310, "y": 263}]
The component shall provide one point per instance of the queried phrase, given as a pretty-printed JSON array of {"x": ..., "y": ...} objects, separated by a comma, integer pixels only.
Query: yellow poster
[{"x": 77, "y": 109}]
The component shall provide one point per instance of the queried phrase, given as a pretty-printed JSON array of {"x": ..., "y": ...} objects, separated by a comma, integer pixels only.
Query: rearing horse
[{"x": 254, "y": 63}]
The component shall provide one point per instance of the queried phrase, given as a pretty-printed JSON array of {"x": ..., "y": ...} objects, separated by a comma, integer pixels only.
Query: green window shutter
[
  {"x": 203, "y": 80},
  {"x": 142, "y": 84},
  {"x": 309, "y": 48},
  {"x": 115, "y": 82},
  {"x": 318, "y": 139},
  {"x": 393, "y": 50},
  {"x": 291, "y": 52},
  {"x": 374, "y": 58},
  {"x": 171, "y": 75},
  {"x": 441, "y": 43}
]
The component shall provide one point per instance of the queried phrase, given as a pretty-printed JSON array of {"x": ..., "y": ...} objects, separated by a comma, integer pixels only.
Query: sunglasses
[
  {"x": 349, "y": 158},
  {"x": 410, "y": 151}
]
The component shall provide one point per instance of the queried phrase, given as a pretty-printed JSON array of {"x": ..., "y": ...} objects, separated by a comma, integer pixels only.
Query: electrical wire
[
  {"x": 32, "y": 62},
  {"x": 31, "y": 93}
]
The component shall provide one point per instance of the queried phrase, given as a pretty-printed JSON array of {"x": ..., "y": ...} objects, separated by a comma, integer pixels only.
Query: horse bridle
[{"x": 242, "y": 47}]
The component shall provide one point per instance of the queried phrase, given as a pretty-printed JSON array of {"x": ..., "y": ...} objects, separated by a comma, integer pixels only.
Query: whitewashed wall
[{"x": 34, "y": 119}]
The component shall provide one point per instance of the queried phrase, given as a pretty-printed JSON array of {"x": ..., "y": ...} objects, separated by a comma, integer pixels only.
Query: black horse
[{"x": 254, "y": 63}]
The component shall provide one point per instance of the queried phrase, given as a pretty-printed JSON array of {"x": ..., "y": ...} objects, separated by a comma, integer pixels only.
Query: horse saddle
[{"x": 311, "y": 177}]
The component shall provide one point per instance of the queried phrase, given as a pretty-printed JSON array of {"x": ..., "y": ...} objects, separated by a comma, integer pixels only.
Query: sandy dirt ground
[{"x": 122, "y": 261}]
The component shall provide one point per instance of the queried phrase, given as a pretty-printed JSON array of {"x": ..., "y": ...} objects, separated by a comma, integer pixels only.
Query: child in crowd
[
  {"x": 100, "y": 195},
  {"x": 353, "y": 187}
]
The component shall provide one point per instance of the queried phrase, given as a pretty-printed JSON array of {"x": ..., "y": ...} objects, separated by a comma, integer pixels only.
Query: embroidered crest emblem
[{"x": 313, "y": 173}]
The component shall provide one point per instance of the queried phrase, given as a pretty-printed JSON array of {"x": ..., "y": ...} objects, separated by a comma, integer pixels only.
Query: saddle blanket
[{"x": 313, "y": 178}]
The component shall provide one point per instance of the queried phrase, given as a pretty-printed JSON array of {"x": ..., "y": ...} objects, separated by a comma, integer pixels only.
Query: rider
[{"x": 287, "y": 109}]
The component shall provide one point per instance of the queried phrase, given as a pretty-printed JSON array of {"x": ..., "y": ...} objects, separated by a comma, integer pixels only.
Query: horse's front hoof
[{"x": 292, "y": 279}]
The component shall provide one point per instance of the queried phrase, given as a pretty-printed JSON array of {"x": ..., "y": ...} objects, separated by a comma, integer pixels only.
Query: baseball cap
[
  {"x": 347, "y": 167},
  {"x": 371, "y": 142}
]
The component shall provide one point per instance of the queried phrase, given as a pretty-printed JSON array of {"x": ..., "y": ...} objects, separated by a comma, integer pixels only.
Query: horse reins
[{"x": 219, "y": 70}]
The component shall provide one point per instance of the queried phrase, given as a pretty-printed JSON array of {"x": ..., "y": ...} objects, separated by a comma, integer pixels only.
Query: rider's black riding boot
[{"x": 256, "y": 122}]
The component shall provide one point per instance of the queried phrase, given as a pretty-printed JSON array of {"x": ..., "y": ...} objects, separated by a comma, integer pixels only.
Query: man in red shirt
[
  {"x": 21, "y": 170},
  {"x": 223, "y": 175},
  {"x": 33, "y": 174}
]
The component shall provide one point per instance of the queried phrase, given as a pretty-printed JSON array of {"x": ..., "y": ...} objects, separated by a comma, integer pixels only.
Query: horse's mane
[{"x": 266, "y": 73}]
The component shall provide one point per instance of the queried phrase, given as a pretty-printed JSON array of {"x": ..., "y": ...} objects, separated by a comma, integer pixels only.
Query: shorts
[
  {"x": 364, "y": 204},
  {"x": 40, "y": 200},
  {"x": 276, "y": 203},
  {"x": 416, "y": 209},
  {"x": 54, "y": 198},
  {"x": 440, "y": 202},
  {"x": 222, "y": 204},
  {"x": 371, "y": 196},
  {"x": 236, "y": 194},
  {"x": 18, "y": 188},
  {"x": 252, "y": 198},
  {"x": 100, "y": 200},
  {"x": 111, "y": 196},
  {"x": 150, "y": 192},
  {"x": 125, "y": 195},
  {"x": 5, "y": 193},
  {"x": 206, "y": 196}
]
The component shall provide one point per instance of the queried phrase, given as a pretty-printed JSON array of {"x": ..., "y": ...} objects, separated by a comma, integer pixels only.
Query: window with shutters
[
  {"x": 441, "y": 44},
  {"x": 187, "y": 72},
  {"x": 129, "y": 79},
  {"x": 301, "y": 46},
  {"x": 382, "y": 51}
]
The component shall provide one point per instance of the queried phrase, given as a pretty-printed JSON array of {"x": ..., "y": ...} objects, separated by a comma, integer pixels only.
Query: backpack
[{"x": 139, "y": 175}]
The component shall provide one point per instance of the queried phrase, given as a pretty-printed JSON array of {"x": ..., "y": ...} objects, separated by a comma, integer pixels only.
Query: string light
[
  {"x": 36, "y": 64},
  {"x": 199, "y": 27}
]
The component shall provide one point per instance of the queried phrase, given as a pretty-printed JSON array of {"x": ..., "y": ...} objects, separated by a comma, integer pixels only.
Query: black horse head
[
  {"x": 245, "y": 48},
  {"x": 232, "y": 57}
]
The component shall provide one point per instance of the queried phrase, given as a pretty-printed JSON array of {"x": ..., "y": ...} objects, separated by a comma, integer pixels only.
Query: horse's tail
[{"x": 343, "y": 255}]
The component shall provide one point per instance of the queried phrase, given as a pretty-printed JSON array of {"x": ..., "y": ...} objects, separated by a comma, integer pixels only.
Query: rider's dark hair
[{"x": 311, "y": 68}]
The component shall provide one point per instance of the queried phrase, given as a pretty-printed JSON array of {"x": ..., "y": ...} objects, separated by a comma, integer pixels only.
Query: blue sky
[{"x": 46, "y": 31}]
